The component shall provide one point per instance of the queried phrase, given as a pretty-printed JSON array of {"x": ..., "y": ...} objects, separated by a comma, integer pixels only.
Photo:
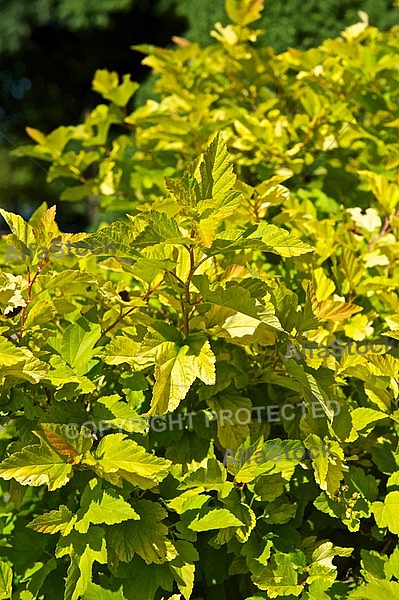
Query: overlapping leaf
[
  {"x": 37, "y": 465},
  {"x": 83, "y": 550},
  {"x": 120, "y": 458},
  {"x": 102, "y": 506},
  {"x": 146, "y": 537}
]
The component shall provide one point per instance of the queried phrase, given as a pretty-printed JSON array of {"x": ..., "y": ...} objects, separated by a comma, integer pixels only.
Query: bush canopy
[{"x": 199, "y": 399}]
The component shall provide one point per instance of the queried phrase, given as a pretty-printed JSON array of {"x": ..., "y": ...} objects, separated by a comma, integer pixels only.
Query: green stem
[{"x": 187, "y": 295}]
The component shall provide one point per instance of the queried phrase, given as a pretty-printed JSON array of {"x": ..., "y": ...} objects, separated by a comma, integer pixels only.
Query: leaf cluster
[{"x": 183, "y": 315}]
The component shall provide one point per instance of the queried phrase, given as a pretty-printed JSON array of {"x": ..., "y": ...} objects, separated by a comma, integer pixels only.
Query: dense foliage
[
  {"x": 191, "y": 403},
  {"x": 50, "y": 49}
]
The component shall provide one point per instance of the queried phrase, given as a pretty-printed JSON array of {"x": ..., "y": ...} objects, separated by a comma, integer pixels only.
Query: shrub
[{"x": 198, "y": 400}]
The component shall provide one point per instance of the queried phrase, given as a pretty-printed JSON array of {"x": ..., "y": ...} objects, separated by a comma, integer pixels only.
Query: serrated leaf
[
  {"x": 112, "y": 411},
  {"x": 218, "y": 518},
  {"x": 47, "y": 229},
  {"x": 145, "y": 537},
  {"x": 280, "y": 241},
  {"x": 96, "y": 592},
  {"x": 387, "y": 513},
  {"x": 268, "y": 487},
  {"x": 42, "y": 311},
  {"x": 83, "y": 550},
  {"x": 174, "y": 374},
  {"x": 147, "y": 580},
  {"x": 327, "y": 462},
  {"x": 280, "y": 576},
  {"x": 61, "y": 374},
  {"x": 272, "y": 456},
  {"x": 203, "y": 358},
  {"x": 127, "y": 460},
  {"x": 308, "y": 320},
  {"x": 107, "y": 84},
  {"x": 244, "y": 12},
  {"x": 176, "y": 368},
  {"x": 121, "y": 349},
  {"x": 66, "y": 278},
  {"x": 68, "y": 440},
  {"x": 391, "y": 566},
  {"x": 22, "y": 238},
  {"x": 5, "y": 580},
  {"x": 76, "y": 344},
  {"x": 217, "y": 176},
  {"x": 118, "y": 238},
  {"x": 366, "y": 417},
  {"x": 234, "y": 415},
  {"x": 331, "y": 310},
  {"x": 59, "y": 520},
  {"x": 239, "y": 325},
  {"x": 373, "y": 564},
  {"x": 214, "y": 200},
  {"x": 244, "y": 513},
  {"x": 326, "y": 552},
  {"x": 212, "y": 476},
  {"x": 184, "y": 569},
  {"x": 311, "y": 387},
  {"x": 376, "y": 590},
  {"x": 363, "y": 483},
  {"x": 185, "y": 190},
  {"x": 189, "y": 500},
  {"x": 236, "y": 297},
  {"x": 232, "y": 240},
  {"x": 32, "y": 369},
  {"x": 37, "y": 465},
  {"x": 280, "y": 512},
  {"x": 102, "y": 506},
  {"x": 386, "y": 365},
  {"x": 160, "y": 229},
  {"x": 206, "y": 230},
  {"x": 323, "y": 285},
  {"x": 10, "y": 355},
  {"x": 184, "y": 577}
]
